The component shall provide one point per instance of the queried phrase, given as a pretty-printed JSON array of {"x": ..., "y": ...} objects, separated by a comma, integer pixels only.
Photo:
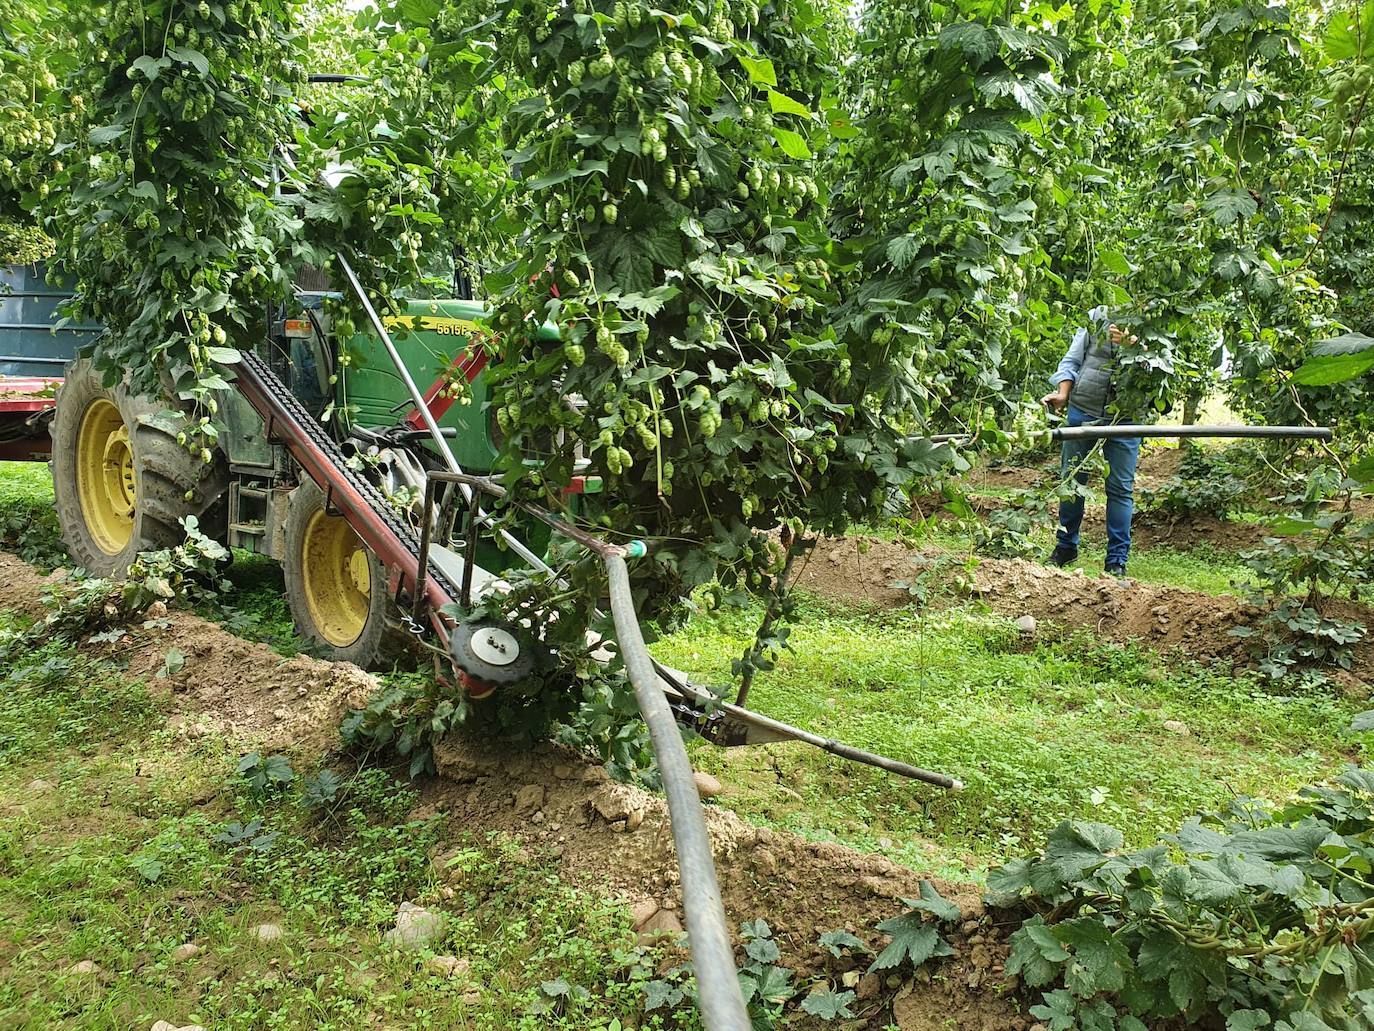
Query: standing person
[{"x": 1083, "y": 384}]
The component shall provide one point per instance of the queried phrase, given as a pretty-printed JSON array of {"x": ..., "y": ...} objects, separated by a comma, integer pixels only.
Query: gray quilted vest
[{"x": 1093, "y": 390}]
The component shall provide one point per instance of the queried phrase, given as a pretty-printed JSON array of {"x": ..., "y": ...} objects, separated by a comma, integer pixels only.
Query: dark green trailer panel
[{"x": 30, "y": 345}]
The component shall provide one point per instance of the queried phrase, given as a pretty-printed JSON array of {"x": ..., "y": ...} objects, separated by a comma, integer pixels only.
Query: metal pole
[
  {"x": 1127, "y": 430},
  {"x": 1153, "y": 430}
]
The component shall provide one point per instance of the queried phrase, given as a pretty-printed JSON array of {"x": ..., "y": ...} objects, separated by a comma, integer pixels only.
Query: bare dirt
[
  {"x": 616, "y": 838},
  {"x": 603, "y": 836},
  {"x": 21, "y": 586},
  {"x": 864, "y": 569}
]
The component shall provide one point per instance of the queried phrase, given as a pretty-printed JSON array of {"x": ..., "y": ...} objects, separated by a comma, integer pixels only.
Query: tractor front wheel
[
  {"x": 336, "y": 588},
  {"x": 122, "y": 482}
]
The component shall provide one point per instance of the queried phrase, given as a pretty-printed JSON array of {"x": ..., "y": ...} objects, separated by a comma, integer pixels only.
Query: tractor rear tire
[
  {"x": 336, "y": 587},
  {"x": 122, "y": 482}
]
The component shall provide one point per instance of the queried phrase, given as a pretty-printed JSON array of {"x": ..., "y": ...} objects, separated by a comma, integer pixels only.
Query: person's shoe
[
  {"x": 1118, "y": 571},
  {"x": 1062, "y": 556}
]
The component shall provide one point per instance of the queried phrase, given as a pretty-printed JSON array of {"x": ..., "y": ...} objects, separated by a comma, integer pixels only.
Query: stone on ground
[
  {"x": 185, "y": 951},
  {"x": 707, "y": 786},
  {"x": 416, "y": 927},
  {"x": 268, "y": 932},
  {"x": 85, "y": 966},
  {"x": 663, "y": 922},
  {"x": 1177, "y": 727},
  {"x": 1026, "y": 624}
]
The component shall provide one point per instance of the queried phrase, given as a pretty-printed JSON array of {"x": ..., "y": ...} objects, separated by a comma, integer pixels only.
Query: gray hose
[{"x": 718, "y": 992}]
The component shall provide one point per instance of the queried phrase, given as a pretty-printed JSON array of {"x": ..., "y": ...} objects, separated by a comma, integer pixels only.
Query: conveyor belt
[{"x": 360, "y": 503}]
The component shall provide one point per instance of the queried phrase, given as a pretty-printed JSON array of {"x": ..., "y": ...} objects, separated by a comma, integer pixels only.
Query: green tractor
[{"x": 124, "y": 482}]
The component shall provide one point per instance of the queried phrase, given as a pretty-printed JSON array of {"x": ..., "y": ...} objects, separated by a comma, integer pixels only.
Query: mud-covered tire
[
  {"x": 317, "y": 546},
  {"x": 168, "y": 481}
]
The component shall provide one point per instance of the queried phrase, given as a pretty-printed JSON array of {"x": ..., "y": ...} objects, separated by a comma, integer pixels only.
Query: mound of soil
[
  {"x": 1197, "y": 530},
  {"x": 613, "y": 837},
  {"x": 226, "y": 685},
  {"x": 863, "y": 570}
]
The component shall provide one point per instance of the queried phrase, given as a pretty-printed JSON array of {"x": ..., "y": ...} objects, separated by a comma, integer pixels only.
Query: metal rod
[
  {"x": 1154, "y": 430},
  {"x": 844, "y": 751},
  {"x": 1127, "y": 430},
  {"x": 713, "y": 957},
  {"x": 839, "y": 748},
  {"x": 470, "y": 557},
  {"x": 422, "y": 567}
]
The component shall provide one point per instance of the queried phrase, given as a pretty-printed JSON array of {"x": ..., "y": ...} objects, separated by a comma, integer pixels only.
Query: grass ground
[
  {"x": 120, "y": 842},
  {"x": 1206, "y": 569},
  {"x": 1041, "y": 732}
]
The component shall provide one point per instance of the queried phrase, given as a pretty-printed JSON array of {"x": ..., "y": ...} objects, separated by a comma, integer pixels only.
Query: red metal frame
[
  {"x": 467, "y": 364},
  {"x": 19, "y": 403}
]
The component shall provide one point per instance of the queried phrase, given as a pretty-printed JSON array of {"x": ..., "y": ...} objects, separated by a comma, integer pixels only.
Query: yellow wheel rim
[
  {"x": 105, "y": 483},
  {"x": 337, "y": 579}
]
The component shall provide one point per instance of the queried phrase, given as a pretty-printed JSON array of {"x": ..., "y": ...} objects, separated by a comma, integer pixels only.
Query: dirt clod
[
  {"x": 448, "y": 966},
  {"x": 529, "y": 797},
  {"x": 641, "y": 912},
  {"x": 663, "y": 923}
]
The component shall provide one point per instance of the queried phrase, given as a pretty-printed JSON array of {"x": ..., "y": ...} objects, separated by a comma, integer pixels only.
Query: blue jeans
[{"x": 1121, "y": 456}]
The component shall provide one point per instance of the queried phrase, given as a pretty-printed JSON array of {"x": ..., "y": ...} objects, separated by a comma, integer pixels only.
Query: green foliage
[
  {"x": 1249, "y": 915},
  {"x": 671, "y": 227},
  {"x": 261, "y": 773},
  {"x": 163, "y": 209},
  {"x": 28, "y": 517},
  {"x": 186, "y": 572},
  {"x": 1325, "y": 553},
  {"x": 1207, "y": 483},
  {"x": 54, "y": 698},
  {"x": 914, "y": 938},
  {"x": 1008, "y": 531}
]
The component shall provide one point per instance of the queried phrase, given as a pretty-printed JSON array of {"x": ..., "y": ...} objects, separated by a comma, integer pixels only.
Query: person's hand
[
  {"x": 1119, "y": 335},
  {"x": 1054, "y": 400}
]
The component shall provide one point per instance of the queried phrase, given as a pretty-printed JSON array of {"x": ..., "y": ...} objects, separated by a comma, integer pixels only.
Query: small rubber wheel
[
  {"x": 336, "y": 588},
  {"x": 122, "y": 482}
]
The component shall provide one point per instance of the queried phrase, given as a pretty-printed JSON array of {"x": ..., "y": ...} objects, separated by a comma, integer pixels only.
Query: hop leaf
[{"x": 828, "y": 1004}]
